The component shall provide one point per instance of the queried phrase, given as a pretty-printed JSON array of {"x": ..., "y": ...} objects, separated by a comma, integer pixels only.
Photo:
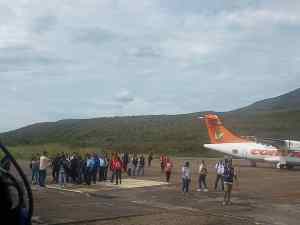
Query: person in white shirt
[
  {"x": 219, "y": 178},
  {"x": 186, "y": 177},
  {"x": 44, "y": 164}
]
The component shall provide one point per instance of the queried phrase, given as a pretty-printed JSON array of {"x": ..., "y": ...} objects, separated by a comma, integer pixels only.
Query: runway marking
[
  {"x": 56, "y": 187},
  {"x": 126, "y": 184},
  {"x": 135, "y": 183}
]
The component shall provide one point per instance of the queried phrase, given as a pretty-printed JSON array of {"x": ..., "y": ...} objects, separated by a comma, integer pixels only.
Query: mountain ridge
[{"x": 274, "y": 117}]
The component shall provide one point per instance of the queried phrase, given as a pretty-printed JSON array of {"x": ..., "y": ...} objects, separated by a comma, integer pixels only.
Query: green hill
[{"x": 177, "y": 134}]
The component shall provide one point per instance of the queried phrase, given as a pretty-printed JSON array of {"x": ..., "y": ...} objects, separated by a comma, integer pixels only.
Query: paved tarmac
[{"x": 264, "y": 195}]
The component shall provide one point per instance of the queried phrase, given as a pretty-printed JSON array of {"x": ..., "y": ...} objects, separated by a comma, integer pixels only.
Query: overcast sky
[{"x": 91, "y": 58}]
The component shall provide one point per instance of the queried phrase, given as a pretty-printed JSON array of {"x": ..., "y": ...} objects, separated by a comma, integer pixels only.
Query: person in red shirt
[
  {"x": 117, "y": 169},
  {"x": 168, "y": 169}
]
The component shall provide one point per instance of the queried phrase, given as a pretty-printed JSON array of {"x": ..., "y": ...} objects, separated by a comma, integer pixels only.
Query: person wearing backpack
[
  {"x": 229, "y": 175},
  {"x": 202, "y": 177}
]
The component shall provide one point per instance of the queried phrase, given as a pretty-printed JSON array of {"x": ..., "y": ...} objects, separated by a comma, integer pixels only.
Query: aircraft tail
[{"x": 218, "y": 133}]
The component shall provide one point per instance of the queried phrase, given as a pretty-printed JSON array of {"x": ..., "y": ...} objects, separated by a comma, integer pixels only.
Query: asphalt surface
[{"x": 263, "y": 195}]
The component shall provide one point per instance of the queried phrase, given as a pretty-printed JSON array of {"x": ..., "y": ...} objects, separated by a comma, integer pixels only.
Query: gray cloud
[
  {"x": 61, "y": 59},
  {"x": 124, "y": 97}
]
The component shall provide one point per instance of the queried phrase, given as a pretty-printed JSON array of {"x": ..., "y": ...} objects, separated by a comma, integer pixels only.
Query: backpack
[
  {"x": 118, "y": 165},
  {"x": 228, "y": 174}
]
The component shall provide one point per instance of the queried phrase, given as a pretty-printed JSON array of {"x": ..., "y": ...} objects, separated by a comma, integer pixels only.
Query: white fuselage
[{"x": 255, "y": 151}]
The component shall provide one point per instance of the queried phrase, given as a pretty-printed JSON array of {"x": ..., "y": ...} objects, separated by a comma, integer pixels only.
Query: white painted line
[{"x": 63, "y": 189}]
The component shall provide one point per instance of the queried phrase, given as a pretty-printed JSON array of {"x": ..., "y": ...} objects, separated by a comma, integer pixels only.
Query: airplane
[{"x": 281, "y": 153}]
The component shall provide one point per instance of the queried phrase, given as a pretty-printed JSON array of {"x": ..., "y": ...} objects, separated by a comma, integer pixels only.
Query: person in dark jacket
[
  {"x": 150, "y": 158},
  {"x": 141, "y": 166},
  {"x": 62, "y": 164},
  {"x": 55, "y": 168},
  {"x": 229, "y": 175},
  {"x": 135, "y": 161}
]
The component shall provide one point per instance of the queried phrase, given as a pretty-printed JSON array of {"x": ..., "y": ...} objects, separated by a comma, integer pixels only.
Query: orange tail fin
[{"x": 218, "y": 133}]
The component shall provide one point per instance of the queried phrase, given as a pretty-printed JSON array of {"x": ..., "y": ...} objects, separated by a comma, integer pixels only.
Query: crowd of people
[{"x": 75, "y": 169}]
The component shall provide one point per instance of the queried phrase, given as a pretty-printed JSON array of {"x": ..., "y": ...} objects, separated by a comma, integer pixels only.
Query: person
[
  {"x": 62, "y": 164},
  {"x": 125, "y": 160},
  {"x": 44, "y": 164},
  {"x": 101, "y": 168},
  {"x": 80, "y": 170},
  {"x": 112, "y": 167},
  {"x": 106, "y": 163},
  {"x": 130, "y": 168},
  {"x": 186, "y": 177},
  {"x": 168, "y": 169},
  {"x": 55, "y": 168},
  {"x": 118, "y": 170},
  {"x": 135, "y": 163},
  {"x": 141, "y": 165},
  {"x": 89, "y": 169},
  {"x": 96, "y": 167},
  {"x": 150, "y": 158},
  {"x": 202, "y": 177},
  {"x": 74, "y": 164},
  {"x": 162, "y": 163},
  {"x": 34, "y": 166},
  {"x": 229, "y": 175},
  {"x": 219, "y": 178}
]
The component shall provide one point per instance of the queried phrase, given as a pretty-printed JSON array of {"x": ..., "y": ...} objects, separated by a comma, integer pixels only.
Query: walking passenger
[
  {"x": 219, "y": 178},
  {"x": 202, "y": 177},
  {"x": 186, "y": 177},
  {"x": 168, "y": 169},
  {"x": 229, "y": 174}
]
